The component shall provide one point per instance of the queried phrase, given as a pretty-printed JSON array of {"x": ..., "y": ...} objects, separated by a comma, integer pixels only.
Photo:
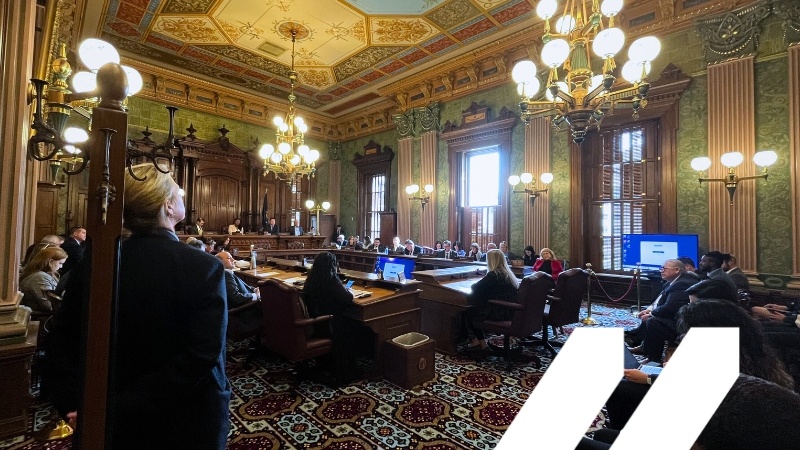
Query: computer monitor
[
  {"x": 391, "y": 266},
  {"x": 651, "y": 250}
]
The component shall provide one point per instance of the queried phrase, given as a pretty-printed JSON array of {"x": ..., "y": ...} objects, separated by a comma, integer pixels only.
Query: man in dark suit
[
  {"x": 411, "y": 249},
  {"x": 659, "y": 322},
  {"x": 295, "y": 229},
  {"x": 446, "y": 252},
  {"x": 739, "y": 278},
  {"x": 272, "y": 227},
  {"x": 246, "y": 320},
  {"x": 376, "y": 246},
  {"x": 73, "y": 245},
  {"x": 197, "y": 228}
]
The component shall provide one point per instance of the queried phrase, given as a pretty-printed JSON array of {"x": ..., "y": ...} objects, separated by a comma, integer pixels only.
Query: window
[
  {"x": 377, "y": 204},
  {"x": 625, "y": 196},
  {"x": 482, "y": 195}
]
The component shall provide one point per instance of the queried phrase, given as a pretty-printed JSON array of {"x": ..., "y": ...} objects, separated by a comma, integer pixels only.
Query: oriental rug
[{"x": 468, "y": 405}]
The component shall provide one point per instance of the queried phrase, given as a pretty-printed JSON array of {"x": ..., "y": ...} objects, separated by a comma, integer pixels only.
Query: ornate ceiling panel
[{"x": 343, "y": 46}]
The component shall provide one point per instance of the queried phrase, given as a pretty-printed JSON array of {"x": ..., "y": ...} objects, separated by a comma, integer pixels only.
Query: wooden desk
[
  {"x": 242, "y": 242},
  {"x": 390, "y": 311},
  {"x": 15, "y": 384},
  {"x": 443, "y": 298}
]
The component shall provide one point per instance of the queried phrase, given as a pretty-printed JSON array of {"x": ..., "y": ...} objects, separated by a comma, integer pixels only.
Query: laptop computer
[{"x": 632, "y": 363}]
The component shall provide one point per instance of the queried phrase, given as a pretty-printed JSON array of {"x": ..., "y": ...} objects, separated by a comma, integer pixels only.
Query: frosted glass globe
[
  {"x": 266, "y": 151},
  {"x": 276, "y": 158},
  {"x": 644, "y": 49},
  {"x": 295, "y": 160},
  {"x": 596, "y": 81},
  {"x": 765, "y": 158},
  {"x": 313, "y": 156},
  {"x": 84, "y": 82},
  {"x": 565, "y": 24},
  {"x": 555, "y": 52},
  {"x": 284, "y": 147},
  {"x": 412, "y": 189},
  {"x": 278, "y": 121},
  {"x": 513, "y": 180},
  {"x": 561, "y": 87},
  {"x": 303, "y": 150},
  {"x": 731, "y": 159},
  {"x": 135, "y": 81},
  {"x": 523, "y": 71},
  {"x": 528, "y": 90},
  {"x": 546, "y": 9},
  {"x": 526, "y": 177},
  {"x": 608, "y": 42},
  {"x": 632, "y": 71},
  {"x": 701, "y": 164},
  {"x": 75, "y": 135},
  {"x": 95, "y": 53},
  {"x": 610, "y": 8},
  {"x": 546, "y": 178}
]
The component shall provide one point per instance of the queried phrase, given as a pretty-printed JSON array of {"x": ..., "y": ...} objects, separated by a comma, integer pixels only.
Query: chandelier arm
[
  {"x": 591, "y": 95},
  {"x": 752, "y": 177},
  {"x": 81, "y": 168},
  {"x": 569, "y": 99}
]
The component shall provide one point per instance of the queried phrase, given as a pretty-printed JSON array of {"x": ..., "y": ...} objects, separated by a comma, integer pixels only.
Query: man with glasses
[
  {"x": 239, "y": 294},
  {"x": 658, "y": 321}
]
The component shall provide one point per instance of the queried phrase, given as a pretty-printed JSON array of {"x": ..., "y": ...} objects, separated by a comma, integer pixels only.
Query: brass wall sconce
[
  {"x": 529, "y": 184},
  {"x": 315, "y": 208},
  {"x": 731, "y": 160},
  {"x": 423, "y": 197}
]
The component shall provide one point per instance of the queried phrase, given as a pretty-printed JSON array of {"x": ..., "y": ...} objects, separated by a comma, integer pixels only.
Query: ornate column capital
[
  {"x": 733, "y": 34},
  {"x": 418, "y": 120}
]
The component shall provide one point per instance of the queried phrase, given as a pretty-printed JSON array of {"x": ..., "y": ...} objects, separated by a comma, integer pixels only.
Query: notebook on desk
[{"x": 359, "y": 294}]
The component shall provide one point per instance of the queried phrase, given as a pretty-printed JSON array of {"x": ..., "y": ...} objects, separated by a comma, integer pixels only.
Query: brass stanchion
[{"x": 588, "y": 320}]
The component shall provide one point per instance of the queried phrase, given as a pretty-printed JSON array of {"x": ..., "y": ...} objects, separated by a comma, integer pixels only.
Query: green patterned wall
[
  {"x": 559, "y": 195},
  {"x": 773, "y": 214}
]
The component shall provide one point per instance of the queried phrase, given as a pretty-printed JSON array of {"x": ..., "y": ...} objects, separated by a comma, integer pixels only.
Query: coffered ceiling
[{"x": 345, "y": 49}]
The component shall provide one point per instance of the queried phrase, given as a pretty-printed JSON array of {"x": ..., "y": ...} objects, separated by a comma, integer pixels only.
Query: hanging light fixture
[
  {"x": 731, "y": 160},
  {"x": 293, "y": 159},
  {"x": 581, "y": 99}
]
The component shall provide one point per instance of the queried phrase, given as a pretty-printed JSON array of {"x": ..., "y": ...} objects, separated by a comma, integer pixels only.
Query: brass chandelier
[
  {"x": 293, "y": 158},
  {"x": 581, "y": 99}
]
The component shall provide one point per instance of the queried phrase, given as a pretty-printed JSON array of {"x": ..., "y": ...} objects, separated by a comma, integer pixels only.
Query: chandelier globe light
[
  {"x": 292, "y": 159},
  {"x": 577, "y": 94}
]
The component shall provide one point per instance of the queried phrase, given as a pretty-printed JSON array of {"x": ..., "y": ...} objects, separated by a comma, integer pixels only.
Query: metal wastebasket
[{"x": 410, "y": 360}]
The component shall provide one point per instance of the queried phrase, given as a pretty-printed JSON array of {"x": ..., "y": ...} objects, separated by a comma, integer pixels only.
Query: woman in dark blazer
[
  {"x": 529, "y": 256},
  {"x": 498, "y": 284},
  {"x": 169, "y": 388}
]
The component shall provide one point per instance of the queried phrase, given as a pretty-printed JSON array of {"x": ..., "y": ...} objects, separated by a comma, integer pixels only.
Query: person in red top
[{"x": 548, "y": 263}]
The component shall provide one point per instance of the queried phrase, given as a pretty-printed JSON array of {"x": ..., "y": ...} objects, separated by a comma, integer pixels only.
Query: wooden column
[
  {"x": 731, "y": 127},
  {"x": 427, "y": 175},
  {"x": 405, "y": 164},
  {"x": 537, "y": 161},
  {"x": 334, "y": 189},
  {"x": 17, "y": 22},
  {"x": 794, "y": 149}
]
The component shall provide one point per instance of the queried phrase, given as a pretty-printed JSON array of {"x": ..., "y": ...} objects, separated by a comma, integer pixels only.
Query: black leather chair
[
  {"x": 564, "y": 305},
  {"x": 527, "y": 314}
]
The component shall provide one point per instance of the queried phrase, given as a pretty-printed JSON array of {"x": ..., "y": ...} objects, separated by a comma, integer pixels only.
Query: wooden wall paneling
[
  {"x": 429, "y": 144},
  {"x": 794, "y": 149},
  {"x": 405, "y": 175},
  {"x": 537, "y": 161},
  {"x": 46, "y": 219}
]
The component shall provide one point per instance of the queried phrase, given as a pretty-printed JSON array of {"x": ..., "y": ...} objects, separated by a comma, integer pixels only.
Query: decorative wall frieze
[
  {"x": 789, "y": 11},
  {"x": 733, "y": 34},
  {"x": 418, "y": 120}
]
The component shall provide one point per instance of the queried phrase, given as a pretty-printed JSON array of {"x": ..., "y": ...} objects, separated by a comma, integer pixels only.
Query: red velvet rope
[{"x": 633, "y": 280}]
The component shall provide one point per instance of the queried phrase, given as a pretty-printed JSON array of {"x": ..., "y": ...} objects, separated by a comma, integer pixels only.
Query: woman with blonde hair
[
  {"x": 548, "y": 263},
  {"x": 498, "y": 284},
  {"x": 39, "y": 276}
]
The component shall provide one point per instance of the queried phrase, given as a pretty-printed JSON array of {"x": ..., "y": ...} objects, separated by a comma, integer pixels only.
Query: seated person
[
  {"x": 40, "y": 276},
  {"x": 548, "y": 263},
  {"x": 745, "y": 420},
  {"x": 499, "y": 283},
  {"x": 340, "y": 241},
  {"x": 376, "y": 246},
  {"x": 295, "y": 229},
  {"x": 458, "y": 248},
  {"x": 411, "y": 248},
  {"x": 446, "y": 251},
  {"x": 475, "y": 252},
  {"x": 50, "y": 240},
  {"x": 396, "y": 246},
  {"x": 663, "y": 315},
  {"x": 688, "y": 263},
  {"x": 272, "y": 227},
  {"x": 508, "y": 254},
  {"x": 236, "y": 227},
  {"x": 197, "y": 228},
  {"x": 731, "y": 268},
  {"x": 489, "y": 246},
  {"x": 711, "y": 288},
  {"x": 249, "y": 319},
  {"x": 756, "y": 357},
  {"x": 193, "y": 242},
  {"x": 530, "y": 256}
]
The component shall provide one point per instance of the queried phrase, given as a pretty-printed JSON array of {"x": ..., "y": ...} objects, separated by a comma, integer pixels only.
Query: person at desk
[
  {"x": 339, "y": 231},
  {"x": 295, "y": 229},
  {"x": 236, "y": 227},
  {"x": 239, "y": 294},
  {"x": 324, "y": 294},
  {"x": 447, "y": 251},
  {"x": 272, "y": 227},
  {"x": 411, "y": 248},
  {"x": 489, "y": 246},
  {"x": 475, "y": 252},
  {"x": 548, "y": 263},
  {"x": 529, "y": 258},
  {"x": 197, "y": 228},
  {"x": 396, "y": 246},
  {"x": 40, "y": 276},
  {"x": 376, "y": 246},
  {"x": 499, "y": 283}
]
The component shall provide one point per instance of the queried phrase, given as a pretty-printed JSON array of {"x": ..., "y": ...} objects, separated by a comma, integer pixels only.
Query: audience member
[
  {"x": 193, "y": 242},
  {"x": 475, "y": 252},
  {"x": 709, "y": 262},
  {"x": 688, "y": 263},
  {"x": 376, "y": 246},
  {"x": 506, "y": 252},
  {"x": 50, "y": 240},
  {"x": 659, "y": 322},
  {"x": 171, "y": 321},
  {"x": 756, "y": 358},
  {"x": 446, "y": 251},
  {"x": 498, "y": 284},
  {"x": 732, "y": 269},
  {"x": 340, "y": 241},
  {"x": 712, "y": 288},
  {"x": 236, "y": 227},
  {"x": 74, "y": 246},
  {"x": 366, "y": 243},
  {"x": 40, "y": 276},
  {"x": 197, "y": 228},
  {"x": 529, "y": 258},
  {"x": 272, "y": 227},
  {"x": 489, "y": 246},
  {"x": 548, "y": 263},
  {"x": 459, "y": 249},
  {"x": 438, "y": 246},
  {"x": 239, "y": 294},
  {"x": 339, "y": 231},
  {"x": 396, "y": 246},
  {"x": 295, "y": 229}
]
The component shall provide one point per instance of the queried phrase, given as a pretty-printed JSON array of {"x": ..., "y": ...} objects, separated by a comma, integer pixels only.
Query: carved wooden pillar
[
  {"x": 17, "y": 22},
  {"x": 537, "y": 161},
  {"x": 335, "y": 180},
  {"x": 794, "y": 148},
  {"x": 405, "y": 172}
]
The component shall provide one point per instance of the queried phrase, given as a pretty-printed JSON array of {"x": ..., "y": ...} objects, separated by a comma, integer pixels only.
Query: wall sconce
[
  {"x": 731, "y": 160},
  {"x": 313, "y": 207},
  {"x": 529, "y": 184},
  {"x": 423, "y": 197}
]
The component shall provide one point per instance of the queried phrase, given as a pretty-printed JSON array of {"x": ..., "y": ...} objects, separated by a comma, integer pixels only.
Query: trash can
[{"x": 410, "y": 360}]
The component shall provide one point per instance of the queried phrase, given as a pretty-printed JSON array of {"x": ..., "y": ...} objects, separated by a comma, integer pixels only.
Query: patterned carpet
[{"x": 468, "y": 405}]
